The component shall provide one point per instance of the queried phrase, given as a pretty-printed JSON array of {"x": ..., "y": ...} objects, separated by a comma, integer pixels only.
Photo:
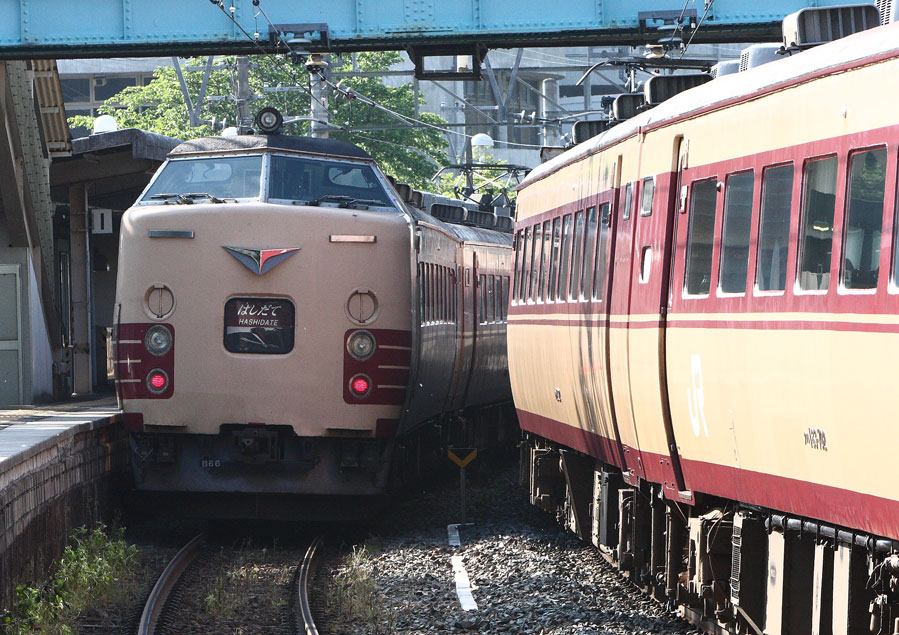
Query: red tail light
[
  {"x": 360, "y": 385},
  {"x": 157, "y": 381}
]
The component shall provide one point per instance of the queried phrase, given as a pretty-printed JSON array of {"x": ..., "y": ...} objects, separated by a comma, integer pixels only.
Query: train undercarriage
[{"x": 726, "y": 567}]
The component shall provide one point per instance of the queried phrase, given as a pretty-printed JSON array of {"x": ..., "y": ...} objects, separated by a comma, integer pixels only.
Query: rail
[
  {"x": 307, "y": 570},
  {"x": 166, "y": 582}
]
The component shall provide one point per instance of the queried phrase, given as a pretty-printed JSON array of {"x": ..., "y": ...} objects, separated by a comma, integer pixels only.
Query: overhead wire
[
  {"x": 412, "y": 122},
  {"x": 708, "y": 8}
]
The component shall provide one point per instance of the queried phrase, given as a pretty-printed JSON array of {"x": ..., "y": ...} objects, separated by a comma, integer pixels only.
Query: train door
[
  {"x": 650, "y": 275},
  {"x": 475, "y": 295},
  {"x": 467, "y": 290},
  {"x": 619, "y": 327},
  {"x": 590, "y": 333}
]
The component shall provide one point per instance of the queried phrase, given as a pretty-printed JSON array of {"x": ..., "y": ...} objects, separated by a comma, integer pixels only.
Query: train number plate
[{"x": 259, "y": 325}]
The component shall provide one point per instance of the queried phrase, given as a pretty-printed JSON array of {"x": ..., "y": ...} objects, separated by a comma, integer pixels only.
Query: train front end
[{"x": 262, "y": 320}]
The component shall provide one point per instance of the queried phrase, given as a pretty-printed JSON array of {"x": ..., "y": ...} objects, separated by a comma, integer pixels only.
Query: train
[
  {"x": 704, "y": 309},
  {"x": 289, "y": 326}
]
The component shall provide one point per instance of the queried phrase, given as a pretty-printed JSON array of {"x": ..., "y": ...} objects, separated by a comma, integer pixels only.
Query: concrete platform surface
[{"x": 23, "y": 429}]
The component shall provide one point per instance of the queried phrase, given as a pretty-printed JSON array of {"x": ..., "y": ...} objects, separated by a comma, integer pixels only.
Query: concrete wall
[{"x": 68, "y": 481}]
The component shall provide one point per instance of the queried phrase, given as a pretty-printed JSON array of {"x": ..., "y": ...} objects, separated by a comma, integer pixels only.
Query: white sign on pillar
[{"x": 101, "y": 221}]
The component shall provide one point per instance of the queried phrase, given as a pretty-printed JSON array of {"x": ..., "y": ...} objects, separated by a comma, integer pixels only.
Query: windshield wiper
[
  {"x": 331, "y": 198},
  {"x": 364, "y": 202},
  {"x": 167, "y": 197},
  {"x": 193, "y": 195}
]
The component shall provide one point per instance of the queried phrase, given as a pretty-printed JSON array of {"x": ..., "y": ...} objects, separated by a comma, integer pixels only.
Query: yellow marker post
[{"x": 462, "y": 457}]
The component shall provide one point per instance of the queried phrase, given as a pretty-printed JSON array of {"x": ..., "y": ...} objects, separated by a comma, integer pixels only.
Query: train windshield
[
  {"x": 216, "y": 178},
  {"x": 325, "y": 182}
]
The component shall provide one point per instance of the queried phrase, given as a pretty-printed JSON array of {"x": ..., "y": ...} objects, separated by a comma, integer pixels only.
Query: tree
[{"x": 409, "y": 154}]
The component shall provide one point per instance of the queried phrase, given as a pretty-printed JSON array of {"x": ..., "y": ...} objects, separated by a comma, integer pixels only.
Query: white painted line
[
  {"x": 463, "y": 585},
  {"x": 452, "y": 536}
]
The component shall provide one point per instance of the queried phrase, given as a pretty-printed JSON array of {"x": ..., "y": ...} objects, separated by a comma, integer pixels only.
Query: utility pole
[
  {"x": 317, "y": 65},
  {"x": 244, "y": 118}
]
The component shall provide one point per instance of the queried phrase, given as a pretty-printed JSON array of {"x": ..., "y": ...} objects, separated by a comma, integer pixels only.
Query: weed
[
  {"x": 353, "y": 596},
  {"x": 92, "y": 569}
]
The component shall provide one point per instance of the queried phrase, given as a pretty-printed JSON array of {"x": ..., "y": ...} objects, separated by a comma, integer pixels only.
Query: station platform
[
  {"x": 24, "y": 429},
  {"x": 62, "y": 466}
]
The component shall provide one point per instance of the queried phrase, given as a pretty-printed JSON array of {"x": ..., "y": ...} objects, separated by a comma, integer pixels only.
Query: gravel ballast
[{"x": 527, "y": 575}]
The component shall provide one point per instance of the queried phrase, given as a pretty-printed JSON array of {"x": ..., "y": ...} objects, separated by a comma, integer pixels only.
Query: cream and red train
[
  {"x": 286, "y": 324},
  {"x": 702, "y": 342}
]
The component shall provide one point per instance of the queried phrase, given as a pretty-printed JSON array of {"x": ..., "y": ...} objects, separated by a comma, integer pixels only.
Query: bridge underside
[{"x": 95, "y": 28}]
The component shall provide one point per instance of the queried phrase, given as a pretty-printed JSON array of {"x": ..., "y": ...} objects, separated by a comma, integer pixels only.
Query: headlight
[
  {"x": 361, "y": 345},
  {"x": 158, "y": 340}
]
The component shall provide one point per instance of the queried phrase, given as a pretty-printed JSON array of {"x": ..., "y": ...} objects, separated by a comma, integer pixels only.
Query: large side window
[
  {"x": 602, "y": 250},
  {"x": 576, "y": 256},
  {"x": 816, "y": 233},
  {"x": 491, "y": 298},
  {"x": 735, "y": 235},
  {"x": 589, "y": 251},
  {"x": 482, "y": 298},
  {"x": 525, "y": 268},
  {"x": 554, "y": 258},
  {"x": 544, "y": 260},
  {"x": 628, "y": 201},
  {"x": 649, "y": 188},
  {"x": 536, "y": 254},
  {"x": 774, "y": 228},
  {"x": 700, "y": 234},
  {"x": 563, "y": 256},
  {"x": 864, "y": 219},
  {"x": 519, "y": 246}
]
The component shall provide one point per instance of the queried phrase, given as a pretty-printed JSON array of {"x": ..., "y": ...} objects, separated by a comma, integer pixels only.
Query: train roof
[
  {"x": 237, "y": 143},
  {"x": 868, "y": 46},
  {"x": 466, "y": 233}
]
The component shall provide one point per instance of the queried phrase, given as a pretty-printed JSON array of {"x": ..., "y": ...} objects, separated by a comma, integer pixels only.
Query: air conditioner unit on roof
[{"x": 818, "y": 25}]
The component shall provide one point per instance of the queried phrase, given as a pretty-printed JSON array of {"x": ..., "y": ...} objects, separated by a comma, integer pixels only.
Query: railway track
[
  {"x": 305, "y": 621},
  {"x": 157, "y": 613}
]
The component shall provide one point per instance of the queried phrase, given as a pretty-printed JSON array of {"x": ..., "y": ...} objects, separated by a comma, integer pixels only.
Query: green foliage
[
  {"x": 90, "y": 568},
  {"x": 354, "y": 599},
  {"x": 411, "y": 155}
]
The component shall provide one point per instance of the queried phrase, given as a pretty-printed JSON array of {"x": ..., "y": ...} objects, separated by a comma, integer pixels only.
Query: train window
[
  {"x": 421, "y": 292},
  {"x": 525, "y": 268},
  {"x": 628, "y": 201},
  {"x": 649, "y": 188},
  {"x": 544, "y": 260},
  {"x": 554, "y": 259},
  {"x": 519, "y": 236},
  {"x": 325, "y": 182},
  {"x": 564, "y": 255},
  {"x": 536, "y": 254},
  {"x": 505, "y": 298},
  {"x": 700, "y": 236},
  {"x": 864, "y": 219},
  {"x": 491, "y": 298},
  {"x": 735, "y": 234},
  {"x": 221, "y": 177},
  {"x": 481, "y": 292},
  {"x": 586, "y": 273},
  {"x": 576, "y": 256},
  {"x": 441, "y": 309},
  {"x": 602, "y": 247},
  {"x": 816, "y": 228},
  {"x": 774, "y": 228},
  {"x": 499, "y": 299}
]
